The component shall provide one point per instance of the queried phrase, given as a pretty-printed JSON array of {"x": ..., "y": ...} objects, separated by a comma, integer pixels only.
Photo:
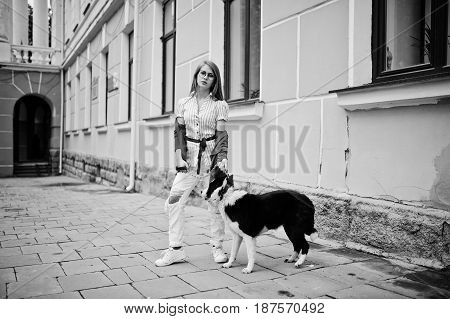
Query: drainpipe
[
  {"x": 61, "y": 124},
  {"x": 130, "y": 187}
]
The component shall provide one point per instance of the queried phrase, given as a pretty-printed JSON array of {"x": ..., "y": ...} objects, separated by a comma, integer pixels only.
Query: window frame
[
  {"x": 438, "y": 65},
  {"x": 165, "y": 38},
  {"x": 227, "y": 60},
  {"x": 106, "y": 57},
  {"x": 130, "y": 72}
]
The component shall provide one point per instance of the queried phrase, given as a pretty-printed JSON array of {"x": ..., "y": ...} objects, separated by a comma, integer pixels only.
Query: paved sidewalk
[{"x": 62, "y": 238}]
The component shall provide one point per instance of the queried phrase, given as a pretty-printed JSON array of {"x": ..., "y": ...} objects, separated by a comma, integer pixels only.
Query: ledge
[
  {"x": 86, "y": 131},
  {"x": 246, "y": 111},
  {"x": 160, "y": 121},
  {"x": 394, "y": 95},
  {"x": 123, "y": 127},
  {"x": 101, "y": 129}
]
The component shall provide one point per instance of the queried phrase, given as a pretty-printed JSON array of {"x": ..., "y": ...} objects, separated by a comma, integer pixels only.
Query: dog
[{"x": 250, "y": 215}]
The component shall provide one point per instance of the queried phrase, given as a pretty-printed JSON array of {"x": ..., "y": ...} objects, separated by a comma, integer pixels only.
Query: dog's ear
[{"x": 230, "y": 180}]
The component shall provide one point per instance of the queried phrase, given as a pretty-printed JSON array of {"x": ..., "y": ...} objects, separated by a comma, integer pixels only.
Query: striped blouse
[{"x": 200, "y": 123}]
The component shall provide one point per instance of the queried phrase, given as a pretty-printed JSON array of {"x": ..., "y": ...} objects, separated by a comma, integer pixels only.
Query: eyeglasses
[{"x": 204, "y": 74}]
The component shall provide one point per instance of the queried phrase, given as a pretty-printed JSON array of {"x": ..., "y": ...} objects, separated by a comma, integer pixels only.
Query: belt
[{"x": 202, "y": 148}]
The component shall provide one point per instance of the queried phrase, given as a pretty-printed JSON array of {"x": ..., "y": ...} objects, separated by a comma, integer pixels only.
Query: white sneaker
[
  {"x": 219, "y": 255},
  {"x": 170, "y": 256}
]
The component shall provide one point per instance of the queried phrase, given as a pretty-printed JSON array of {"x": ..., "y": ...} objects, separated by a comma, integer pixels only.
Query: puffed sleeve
[
  {"x": 179, "y": 108},
  {"x": 222, "y": 112}
]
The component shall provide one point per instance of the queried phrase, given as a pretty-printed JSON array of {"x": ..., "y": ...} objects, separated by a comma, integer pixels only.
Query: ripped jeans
[{"x": 182, "y": 186}]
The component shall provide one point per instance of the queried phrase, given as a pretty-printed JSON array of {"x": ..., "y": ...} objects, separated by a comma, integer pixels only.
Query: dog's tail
[{"x": 314, "y": 235}]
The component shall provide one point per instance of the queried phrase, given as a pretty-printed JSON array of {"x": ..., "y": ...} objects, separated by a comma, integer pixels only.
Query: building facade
[
  {"x": 30, "y": 88},
  {"x": 347, "y": 101}
]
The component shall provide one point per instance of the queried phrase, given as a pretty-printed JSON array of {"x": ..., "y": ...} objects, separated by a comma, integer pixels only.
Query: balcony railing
[{"x": 35, "y": 55}]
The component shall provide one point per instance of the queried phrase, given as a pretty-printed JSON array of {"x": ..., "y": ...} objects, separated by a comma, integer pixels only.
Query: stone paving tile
[
  {"x": 365, "y": 292},
  {"x": 266, "y": 240},
  {"x": 439, "y": 279},
  {"x": 52, "y": 239},
  {"x": 124, "y": 261},
  {"x": 7, "y": 275},
  {"x": 2, "y": 290},
  {"x": 18, "y": 242},
  {"x": 159, "y": 243},
  {"x": 118, "y": 276},
  {"x": 83, "y": 266},
  {"x": 7, "y": 237},
  {"x": 214, "y": 294},
  {"x": 258, "y": 274},
  {"x": 65, "y": 255},
  {"x": 64, "y": 295},
  {"x": 139, "y": 273},
  {"x": 412, "y": 289},
  {"x": 267, "y": 290},
  {"x": 136, "y": 229},
  {"x": 47, "y": 248},
  {"x": 103, "y": 251},
  {"x": 26, "y": 273},
  {"x": 204, "y": 263},
  {"x": 139, "y": 238},
  {"x": 209, "y": 280},
  {"x": 130, "y": 248},
  {"x": 275, "y": 251},
  {"x": 84, "y": 281},
  {"x": 350, "y": 253},
  {"x": 100, "y": 241},
  {"x": 17, "y": 261},
  {"x": 312, "y": 285},
  {"x": 355, "y": 273},
  {"x": 113, "y": 292},
  {"x": 197, "y": 239},
  {"x": 164, "y": 288},
  {"x": 12, "y": 251},
  {"x": 36, "y": 287},
  {"x": 81, "y": 237},
  {"x": 84, "y": 244}
]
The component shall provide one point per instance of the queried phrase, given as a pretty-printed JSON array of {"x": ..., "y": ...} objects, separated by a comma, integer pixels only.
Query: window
[
  {"x": 88, "y": 97},
  {"x": 130, "y": 72},
  {"x": 168, "y": 41},
  {"x": 411, "y": 39},
  {"x": 242, "y": 49}
]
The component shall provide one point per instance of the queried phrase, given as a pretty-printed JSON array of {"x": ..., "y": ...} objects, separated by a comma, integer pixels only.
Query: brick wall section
[{"x": 414, "y": 234}]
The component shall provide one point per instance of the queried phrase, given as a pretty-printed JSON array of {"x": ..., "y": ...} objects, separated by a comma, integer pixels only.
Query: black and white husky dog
[{"x": 249, "y": 215}]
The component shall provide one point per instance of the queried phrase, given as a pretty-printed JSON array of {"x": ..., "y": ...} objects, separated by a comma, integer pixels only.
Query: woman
[{"x": 201, "y": 142}]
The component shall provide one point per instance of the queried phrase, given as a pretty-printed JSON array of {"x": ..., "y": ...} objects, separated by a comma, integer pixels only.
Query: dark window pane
[
  {"x": 255, "y": 47},
  {"x": 169, "y": 76},
  {"x": 130, "y": 45},
  {"x": 448, "y": 34},
  {"x": 237, "y": 49},
  {"x": 408, "y": 33},
  {"x": 169, "y": 14}
]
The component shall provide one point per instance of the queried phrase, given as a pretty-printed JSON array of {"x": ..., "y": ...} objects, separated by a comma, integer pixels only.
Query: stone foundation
[{"x": 413, "y": 234}]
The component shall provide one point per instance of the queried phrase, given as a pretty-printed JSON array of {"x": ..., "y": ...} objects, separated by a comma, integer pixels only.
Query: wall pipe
[
  {"x": 130, "y": 187},
  {"x": 61, "y": 125}
]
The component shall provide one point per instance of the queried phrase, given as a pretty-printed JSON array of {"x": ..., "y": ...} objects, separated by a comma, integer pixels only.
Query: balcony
[{"x": 35, "y": 55}]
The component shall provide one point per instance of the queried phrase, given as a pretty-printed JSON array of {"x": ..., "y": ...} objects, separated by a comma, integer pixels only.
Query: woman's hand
[
  {"x": 181, "y": 163},
  {"x": 223, "y": 165}
]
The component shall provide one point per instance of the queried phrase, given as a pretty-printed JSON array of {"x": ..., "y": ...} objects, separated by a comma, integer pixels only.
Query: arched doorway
[{"x": 32, "y": 119}]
